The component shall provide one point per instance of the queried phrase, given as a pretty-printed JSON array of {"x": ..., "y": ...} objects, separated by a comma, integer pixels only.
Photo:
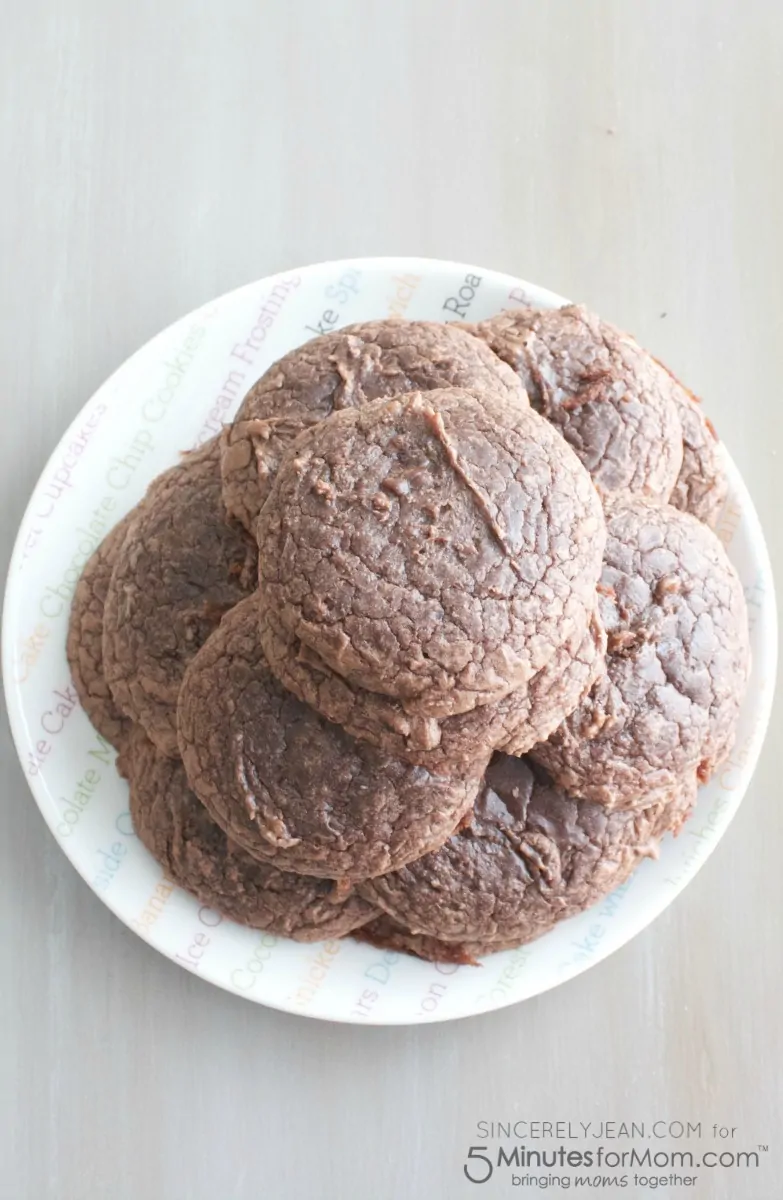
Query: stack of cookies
[{"x": 433, "y": 644}]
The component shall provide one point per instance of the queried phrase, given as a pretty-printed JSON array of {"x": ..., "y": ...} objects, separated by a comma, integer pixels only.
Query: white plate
[{"x": 173, "y": 393}]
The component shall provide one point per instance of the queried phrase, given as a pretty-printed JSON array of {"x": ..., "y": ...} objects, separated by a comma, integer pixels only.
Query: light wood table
[{"x": 628, "y": 154}]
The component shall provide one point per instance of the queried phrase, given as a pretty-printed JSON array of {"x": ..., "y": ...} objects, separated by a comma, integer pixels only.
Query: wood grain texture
[{"x": 154, "y": 155}]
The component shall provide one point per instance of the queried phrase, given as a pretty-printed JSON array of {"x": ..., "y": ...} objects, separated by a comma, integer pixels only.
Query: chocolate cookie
[
  {"x": 289, "y": 786},
  {"x": 183, "y": 564},
  {"x": 514, "y": 723},
  {"x": 702, "y": 486},
  {"x": 436, "y": 548},
  {"x": 345, "y": 369},
  {"x": 665, "y": 713},
  {"x": 84, "y": 646},
  {"x": 195, "y": 853},
  {"x": 611, "y": 401},
  {"x": 527, "y": 857}
]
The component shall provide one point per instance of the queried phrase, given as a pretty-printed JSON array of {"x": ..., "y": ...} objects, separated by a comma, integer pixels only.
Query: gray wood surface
[{"x": 624, "y": 152}]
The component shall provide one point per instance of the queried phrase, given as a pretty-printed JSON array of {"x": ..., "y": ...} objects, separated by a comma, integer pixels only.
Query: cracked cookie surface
[
  {"x": 183, "y": 564},
  {"x": 84, "y": 645},
  {"x": 665, "y": 713},
  {"x": 702, "y": 486},
  {"x": 514, "y": 723},
  {"x": 290, "y": 786},
  {"x": 195, "y": 854},
  {"x": 612, "y": 402},
  {"x": 527, "y": 857},
  {"x": 436, "y": 548},
  {"x": 345, "y": 369}
]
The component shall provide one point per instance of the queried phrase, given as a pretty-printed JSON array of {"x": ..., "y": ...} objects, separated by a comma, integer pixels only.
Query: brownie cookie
[
  {"x": 436, "y": 547},
  {"x": 345, "y": 369},
  {"x": 702, "y": 486},
  {"x": 293, "y": 788},
  {"x": 611, "y": 400},
  {"x": 183, "y": 564},
  {"x": 526, "y": 857},
  {"x": 195, "y": 853},
  {"x": 84, "y": 645},
  {"x": 514, "y": 723},
  {"x": 664, "y": 715}
]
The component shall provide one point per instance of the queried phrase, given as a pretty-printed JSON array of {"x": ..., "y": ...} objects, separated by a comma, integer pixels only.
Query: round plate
[{"x": 174, "y": 393}]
